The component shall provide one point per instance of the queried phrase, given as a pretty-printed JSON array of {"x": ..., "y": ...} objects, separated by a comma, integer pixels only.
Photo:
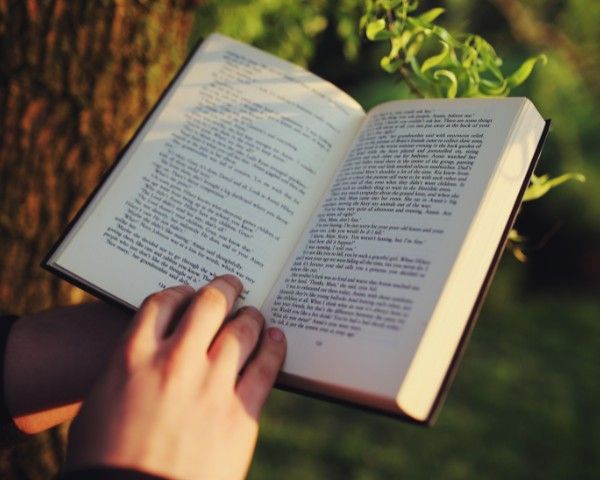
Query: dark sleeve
[
  {"x": 105, "y": 473},
  {"x": 9, "y": 433}
]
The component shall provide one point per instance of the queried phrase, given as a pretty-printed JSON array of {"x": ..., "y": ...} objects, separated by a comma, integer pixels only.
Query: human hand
[{"x": 181, "y": 398}]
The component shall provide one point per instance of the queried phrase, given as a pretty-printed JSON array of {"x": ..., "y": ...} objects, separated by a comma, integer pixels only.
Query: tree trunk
[{"x": 76, "y": 79}]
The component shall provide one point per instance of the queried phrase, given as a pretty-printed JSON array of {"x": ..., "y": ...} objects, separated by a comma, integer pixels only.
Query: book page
[
  {"x": 222, "y": 178},
  {"x": 356, "y": 296}
]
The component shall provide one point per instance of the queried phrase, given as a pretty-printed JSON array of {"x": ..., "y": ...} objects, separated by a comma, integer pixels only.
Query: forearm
[{"x": 53, "y": 357}]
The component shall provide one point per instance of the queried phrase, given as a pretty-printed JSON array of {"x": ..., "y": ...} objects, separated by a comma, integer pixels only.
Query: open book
[{"x": 368, "y": 238}]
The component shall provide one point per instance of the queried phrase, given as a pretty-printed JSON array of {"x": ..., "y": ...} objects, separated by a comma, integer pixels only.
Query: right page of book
[{"x": 358, "y": 295}]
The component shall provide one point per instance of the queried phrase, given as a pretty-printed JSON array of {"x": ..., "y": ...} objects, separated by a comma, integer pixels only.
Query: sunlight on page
[{"x": 222, "y": 178}]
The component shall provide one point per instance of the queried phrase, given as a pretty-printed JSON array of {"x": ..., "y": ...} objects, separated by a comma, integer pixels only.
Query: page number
[{"x": 319, "y": 343}]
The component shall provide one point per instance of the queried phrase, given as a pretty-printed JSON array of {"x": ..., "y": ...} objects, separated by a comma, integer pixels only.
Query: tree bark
[{"x": 76, "y": 79}]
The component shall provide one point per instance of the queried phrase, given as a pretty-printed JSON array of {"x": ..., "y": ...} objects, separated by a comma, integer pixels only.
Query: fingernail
[
  {"x": 232, "y": 280},
  {"x": 276, "y": 335}
]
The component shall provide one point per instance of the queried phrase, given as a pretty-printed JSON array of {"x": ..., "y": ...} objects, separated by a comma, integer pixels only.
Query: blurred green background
[{"x": 526, "y": 397}]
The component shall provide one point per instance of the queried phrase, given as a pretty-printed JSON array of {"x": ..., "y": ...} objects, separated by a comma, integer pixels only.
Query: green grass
[{"x": 524, "y": 405}]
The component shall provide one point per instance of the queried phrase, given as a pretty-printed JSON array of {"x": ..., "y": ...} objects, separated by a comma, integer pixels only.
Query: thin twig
[{"x": 405, "y": 76}]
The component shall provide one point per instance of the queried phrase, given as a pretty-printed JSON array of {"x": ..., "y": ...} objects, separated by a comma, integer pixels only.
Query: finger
[
  {"x": 204, "y": 316},
  {"x": 158, "y": 310},
  {"x": 259, "y": 375},
  {"x": 234, "y": 344}
]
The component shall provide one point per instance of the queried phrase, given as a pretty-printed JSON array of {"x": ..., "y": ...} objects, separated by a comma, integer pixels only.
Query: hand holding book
[
  {"x": 368, "y": 238},
  {"x": 174, "y": 400}
]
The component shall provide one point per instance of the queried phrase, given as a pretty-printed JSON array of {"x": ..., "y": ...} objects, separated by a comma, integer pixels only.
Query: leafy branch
[
  {"x": 436, "y": 64},
  {"x": 539, "y": 186}
]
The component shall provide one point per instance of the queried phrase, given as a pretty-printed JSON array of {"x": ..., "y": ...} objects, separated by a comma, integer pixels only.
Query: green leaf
[
  {"x": 412, "y": 6},
  {"x": 376, "y": 30},
  {"x": 435, "y": 60},
  {"x": 415, "y": 46},
  {"x": 471, "y": 89},
  {"x": 514, "y": 236},
  {"x": 394, "y": 3},
  {"x": 397, "y": 43},
  {"x": 495, "y": 89},
  {"x": 536, "y": 180},
  {"x": 469, "y": 56},
  {"x": 401, "y": 41},
  {"x": 416, "y": 68},
  {"x": 523, "y": 72},
  {"x": 364, "y": 20},
  {"x": 453, "y": 88},
  {"x": 518, "y": 253},
  {"x": 444, "y": 35},
  {"x": 541, "y": 185},
  {"x": 430, "y": 15},
  {"x": 390, "y": 64}
]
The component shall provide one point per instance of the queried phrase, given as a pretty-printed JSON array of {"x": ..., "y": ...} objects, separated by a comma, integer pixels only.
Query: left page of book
[{"x": 222, "y": 177}]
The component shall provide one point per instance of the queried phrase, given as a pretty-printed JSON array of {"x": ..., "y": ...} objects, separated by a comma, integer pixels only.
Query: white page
[
  {"x": 222, "y": 178},
  {"x": 438, "y": 345},
  {"x": 358, "y": 292}
]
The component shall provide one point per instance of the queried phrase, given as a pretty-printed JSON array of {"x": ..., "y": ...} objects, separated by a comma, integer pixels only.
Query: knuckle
[
  {"x": 240, "y": 333},
  {"x": 254, "y": 314},
  {"x": 153, "y": 301},
  {"x": 171, "y": 365},
  {"x": 129, "y": 355},
  {"x": 245, "y": 331},
  {"x": 146, "y": 303},
  {"x": 212, "y": 295},
  {"x": 162, "y": 298}
]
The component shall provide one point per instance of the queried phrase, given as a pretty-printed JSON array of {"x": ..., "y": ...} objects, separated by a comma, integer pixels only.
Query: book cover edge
[{"x": 464, "y": 340}]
